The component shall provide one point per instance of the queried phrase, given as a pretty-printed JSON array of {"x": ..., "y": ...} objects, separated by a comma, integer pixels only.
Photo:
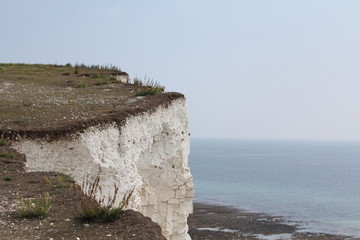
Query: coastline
[{"x": 215, "y": 222}]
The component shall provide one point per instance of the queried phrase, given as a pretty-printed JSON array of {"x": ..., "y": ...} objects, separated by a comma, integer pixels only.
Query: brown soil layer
[
  {"x": 16, "y": 184},
  {"x": 51, "y": 101},
  {"x": 212, "y": 222}
]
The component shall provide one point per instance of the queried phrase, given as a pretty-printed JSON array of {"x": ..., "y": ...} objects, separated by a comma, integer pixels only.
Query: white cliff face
[{"x": 149, "y": 153}]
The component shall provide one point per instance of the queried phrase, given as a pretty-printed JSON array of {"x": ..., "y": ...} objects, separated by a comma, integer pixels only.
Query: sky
[{"x": 250, "y": 69}]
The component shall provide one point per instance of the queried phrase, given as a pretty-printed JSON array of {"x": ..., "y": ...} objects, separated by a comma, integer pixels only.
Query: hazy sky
[{"x": 249, "y": 68}]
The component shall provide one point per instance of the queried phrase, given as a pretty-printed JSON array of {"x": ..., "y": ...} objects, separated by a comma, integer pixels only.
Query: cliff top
[{"x": 38, "y": 100}]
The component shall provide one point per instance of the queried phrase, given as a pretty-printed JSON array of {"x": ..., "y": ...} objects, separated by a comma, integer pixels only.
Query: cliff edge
[{"x": 91, "y": 122}]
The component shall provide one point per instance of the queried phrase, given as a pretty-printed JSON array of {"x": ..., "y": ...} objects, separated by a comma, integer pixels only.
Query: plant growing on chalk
[
  {"x": 33, "y": 208},
  {"x": 3, "y": 142},
  {"x": 97, "y": 208},
  {"x": 7, "y": 155},
  {"x": 81, "y": 85},
  {"x": 59, "y": 180},
  {"x": 146, "y": 91},
  {"x": 7, "y": 178},
  {"x": 108, "y": 67},
  {"x": 148, "y": 87}
]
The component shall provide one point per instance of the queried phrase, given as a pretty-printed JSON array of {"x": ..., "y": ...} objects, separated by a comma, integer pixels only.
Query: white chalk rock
[{"x": 149, "y": 153}]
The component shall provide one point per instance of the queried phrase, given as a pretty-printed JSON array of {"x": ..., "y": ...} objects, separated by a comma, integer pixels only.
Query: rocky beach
[{"x": 214, "y": 222}]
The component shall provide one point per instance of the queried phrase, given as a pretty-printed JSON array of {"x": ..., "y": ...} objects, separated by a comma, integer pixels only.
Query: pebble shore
[{"x": 213, "y": 222}]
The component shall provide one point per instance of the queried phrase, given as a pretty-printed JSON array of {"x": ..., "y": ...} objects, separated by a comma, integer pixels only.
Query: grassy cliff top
[{"x": 51, "y": 100}]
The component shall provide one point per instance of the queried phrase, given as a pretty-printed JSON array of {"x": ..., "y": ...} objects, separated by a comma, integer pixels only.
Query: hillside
[{"x": 16, "y": 185}]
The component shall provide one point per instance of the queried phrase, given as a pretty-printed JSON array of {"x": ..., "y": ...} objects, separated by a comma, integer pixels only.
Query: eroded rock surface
[{"x": 149, "y": 153}]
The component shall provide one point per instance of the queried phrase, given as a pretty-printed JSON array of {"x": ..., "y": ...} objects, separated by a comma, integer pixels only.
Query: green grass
[
  {"x": 3, "y": 142},
  {"x": 20, "y": 121},
  {"x": 13, "y": 64},
  {"x": 108, "y": 67},
  {"x": 81, "y": 85},
  {"x": 106, "y": 80},
  {"x": 33, "y": 181},
  {"x": 102, "y": 82},
  {"x": 7, "y": 178},
  {"x": 134, "y": 230},
  {"x": 7, "y": 155},
  {"x": 149, "y": 87},
  {"x": 99, "y": 214},
  {"x": 96, "y": 209},
  {"x": 60, "y": 181},
  {"x": 34, "y": 208},
  {"x": 147, "y": 91}
]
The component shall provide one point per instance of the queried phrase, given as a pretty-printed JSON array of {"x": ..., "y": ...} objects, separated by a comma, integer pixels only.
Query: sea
[{"x": 314, "y": 182}]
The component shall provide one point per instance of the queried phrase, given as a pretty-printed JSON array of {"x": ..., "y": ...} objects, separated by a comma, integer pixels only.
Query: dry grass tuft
[
  {"x": 100, "y": 209},
  {"x": 34, "y": 208}
]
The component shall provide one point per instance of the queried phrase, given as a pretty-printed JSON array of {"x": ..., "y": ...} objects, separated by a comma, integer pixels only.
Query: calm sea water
[{"x": 311, "y": 181}]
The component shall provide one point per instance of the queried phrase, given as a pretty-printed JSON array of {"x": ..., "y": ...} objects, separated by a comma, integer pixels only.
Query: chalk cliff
[{"x": 147, "y": 151}]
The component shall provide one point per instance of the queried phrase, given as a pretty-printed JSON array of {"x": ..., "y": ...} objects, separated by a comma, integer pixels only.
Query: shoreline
[{"x": 216, "y": 222}]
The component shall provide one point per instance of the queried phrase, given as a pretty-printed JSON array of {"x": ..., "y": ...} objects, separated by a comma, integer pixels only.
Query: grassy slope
[{"x": 42, "y": 96}]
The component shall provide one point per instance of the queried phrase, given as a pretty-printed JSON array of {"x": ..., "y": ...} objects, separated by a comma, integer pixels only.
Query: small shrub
[
  {"x": 47, "y": 180},
  {"x": 7, "y": 155},
  {"x": 113, "y": 79},
  {"x": 60, "y": 181},
  {"x": 33, "y": 181},
  {"x": 81, "y": 65},
  {"x": 147, "y": 91},
  {"x": 25, "y": 104},
  {"x": 3, "y": 142},
  {"x": 98, "y": 83},
  {"x": 100, "y": 210},
  {"x": 66, "y": 73},
  {"x": 147, "y": 82},
  {"x": 100, "y": 214},
  {"x": 104, "y": 79},
  {"x": 81, "y": 85},
  {"x": 34, "y": 208},
  {"x": 20, "y": 121},
  {"x": 96, "y": 75},
  {"x": 107, "y": 67},
  {"x": 149, "y": 87},
  {"x": 7, "y": 178},
  {"x": 137, "y": 81}
]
